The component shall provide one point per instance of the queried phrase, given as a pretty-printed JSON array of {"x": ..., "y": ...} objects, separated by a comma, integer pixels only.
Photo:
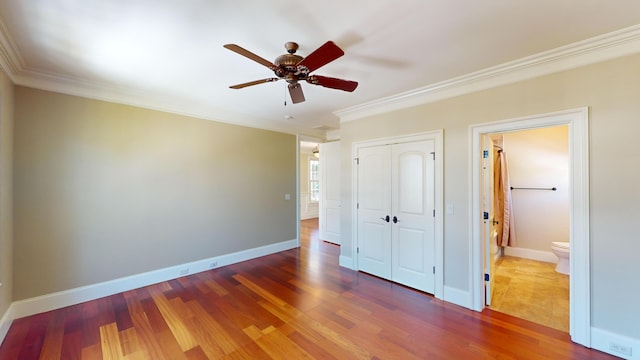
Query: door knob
[
  {"x": 395, "y": 220},
  {"x": 385, "y": 218}
]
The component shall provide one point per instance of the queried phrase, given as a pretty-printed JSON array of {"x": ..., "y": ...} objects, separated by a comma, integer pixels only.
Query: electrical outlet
[
  {"x": 620, "y": 349},
  {"x": 213, "y": 265},
  {"x": 184, "y": 272}
]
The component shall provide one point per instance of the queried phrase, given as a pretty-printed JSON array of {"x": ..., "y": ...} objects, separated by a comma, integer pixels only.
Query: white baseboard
[
  {"x": 65, "y": 298},
  {"x": 457, "y": 296},
  {"x": 346, "y": 261},
  {"x": 546, "y": 256},
  {"x": 5, "y": 323},
  {"x": 614, "y": 344}
]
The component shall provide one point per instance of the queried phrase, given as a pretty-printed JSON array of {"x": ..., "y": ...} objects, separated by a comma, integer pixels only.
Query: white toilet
[{"x": 561, "y": 250}]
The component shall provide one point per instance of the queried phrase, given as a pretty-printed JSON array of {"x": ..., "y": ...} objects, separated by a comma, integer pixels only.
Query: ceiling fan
[{"x": 294, "y": 68}]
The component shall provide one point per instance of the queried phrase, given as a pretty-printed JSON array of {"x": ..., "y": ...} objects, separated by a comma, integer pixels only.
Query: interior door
[
  {"x": 374, "y": 210},
  {"x": 330, "y": 192},
  {"x": 413, "y": 215},
  {"x": 488, "y": 213}
]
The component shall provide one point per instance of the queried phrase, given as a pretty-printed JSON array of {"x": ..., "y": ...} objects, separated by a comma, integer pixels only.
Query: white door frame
[
  {"x": 579, "y": 281},
  {"x": 437, "y": 136}
]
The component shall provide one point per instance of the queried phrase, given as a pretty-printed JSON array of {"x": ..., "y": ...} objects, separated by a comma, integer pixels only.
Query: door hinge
[
  {"x": 357, "y": 205},
  {"x": 434, "y": 212},
  {"x": 486, "y": 277},
  {"x": 434, "y": 269},
  {"x": 357, "y": 161},
  {"x": 357, "y": 250},
  {"x": 433, "y": 153}
]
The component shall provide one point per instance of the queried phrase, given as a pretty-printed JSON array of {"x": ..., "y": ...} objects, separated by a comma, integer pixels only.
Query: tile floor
[{"x": 531, "y": 290}]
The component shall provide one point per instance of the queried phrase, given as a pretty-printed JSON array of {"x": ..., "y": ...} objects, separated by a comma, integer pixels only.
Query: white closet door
[
  {"x": 413, "y": 221},
  {"x": 374, "y": 205},
  {"x": 397, "y": 181},
  {"x": 330, "y": 192}
]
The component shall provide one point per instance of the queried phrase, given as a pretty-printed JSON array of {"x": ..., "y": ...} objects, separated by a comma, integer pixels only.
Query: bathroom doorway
[
  {"x": 579, "y": 287},
  {"x": 528, "y": 178}
]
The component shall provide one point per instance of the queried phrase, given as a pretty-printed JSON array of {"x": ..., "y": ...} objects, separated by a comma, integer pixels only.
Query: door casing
[{"x": 579, "y": 284}]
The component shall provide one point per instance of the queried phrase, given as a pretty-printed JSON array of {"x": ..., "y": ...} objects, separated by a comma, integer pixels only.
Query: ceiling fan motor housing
[{"x": 286, "y": 67}]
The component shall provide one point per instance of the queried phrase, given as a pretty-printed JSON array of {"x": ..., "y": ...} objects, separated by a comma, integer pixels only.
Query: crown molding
[
  {"x": 597, "y": 49},
  {"x": 10, "y": 60},
  {"x": 12, "y": 63},
  {"x": 143, "y": 99}
]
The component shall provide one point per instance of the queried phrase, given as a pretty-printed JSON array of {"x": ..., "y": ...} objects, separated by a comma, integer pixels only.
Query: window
[{"x": 314, "y": 180}]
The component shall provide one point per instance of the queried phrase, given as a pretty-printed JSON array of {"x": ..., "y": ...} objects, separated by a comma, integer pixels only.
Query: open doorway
[
  {"x": 309, "y": 180},
  {"x": 528, "y": 176},
  {"x": 579, "y": 287}
]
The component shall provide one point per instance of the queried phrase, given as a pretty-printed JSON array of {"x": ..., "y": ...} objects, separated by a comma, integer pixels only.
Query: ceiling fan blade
[
  {"x": 255, "y": 82},
  {"x": 321, "y": 56},
  {"x": 295, "y": 90},
  {"x": 248, "y": 54},
  {"x": 333, "y": 83}
]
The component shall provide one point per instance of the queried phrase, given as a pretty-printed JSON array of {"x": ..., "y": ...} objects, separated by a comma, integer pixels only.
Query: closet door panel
[
  {"x": 374, "y": 205},
  {"x": 413, "y": 204}
]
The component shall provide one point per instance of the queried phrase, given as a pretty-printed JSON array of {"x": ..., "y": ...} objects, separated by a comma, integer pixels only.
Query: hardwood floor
[{"x": 291, "y": 305}]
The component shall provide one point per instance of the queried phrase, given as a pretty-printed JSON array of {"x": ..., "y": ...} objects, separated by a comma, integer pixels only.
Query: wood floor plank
[
  {"x": 110, "y": 342},
  {"x": 32, "y": 344},
  {"x": 294, "y": 304},
  {"x": 277, "y": 345},
  {"x": 53, "y": 338},
  {"x": 146, "y": 337},
  {"x": 212, "y": 333},
  {"x": 170, "y": 311}
]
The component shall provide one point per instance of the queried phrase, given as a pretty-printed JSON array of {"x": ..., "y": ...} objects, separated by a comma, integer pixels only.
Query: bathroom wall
[{"x": 539, "y": 158}]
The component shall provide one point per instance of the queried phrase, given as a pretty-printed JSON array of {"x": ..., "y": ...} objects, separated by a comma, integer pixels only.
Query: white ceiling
[{"x": 168, "y": 55}]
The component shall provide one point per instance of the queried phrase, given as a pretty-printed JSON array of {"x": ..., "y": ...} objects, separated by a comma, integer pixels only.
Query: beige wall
[
  {"x": 612, "y": 92},
  {"x": 539, "y": 158},
  {"x": 6, "y": 192},
  {"x": 104, "y": 191}
]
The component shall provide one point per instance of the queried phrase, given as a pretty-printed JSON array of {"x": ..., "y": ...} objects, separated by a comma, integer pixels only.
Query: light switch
[{"x": 287, "y": 196}]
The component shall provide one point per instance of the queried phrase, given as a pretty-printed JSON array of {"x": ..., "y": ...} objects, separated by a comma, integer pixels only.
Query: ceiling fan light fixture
[{"x": 294, "y": 68}]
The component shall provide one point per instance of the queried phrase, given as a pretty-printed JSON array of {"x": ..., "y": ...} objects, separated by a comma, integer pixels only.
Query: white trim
[
  {"x": 539, "y": 255},
  {"x": 5, "y": 323},
  {"x": 438, "y": 137},
  {"x": 578, "y": 122},
  {"x": 606, "y": 341},
  {"x": 70, "y": 297},
  {"x": 457, "y": 296},
  {"x": 298, "y": 215},
  {"x": 597, "y": 49},
  {"x": 333, "y": 135}
]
